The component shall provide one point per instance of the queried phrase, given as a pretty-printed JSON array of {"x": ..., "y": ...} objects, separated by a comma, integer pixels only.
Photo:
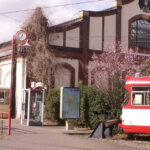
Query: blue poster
[{"x": 70, "y": 103}]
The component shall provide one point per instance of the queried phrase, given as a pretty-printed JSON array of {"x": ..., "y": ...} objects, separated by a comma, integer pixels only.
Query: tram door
[{"x": 32, "y": 107}]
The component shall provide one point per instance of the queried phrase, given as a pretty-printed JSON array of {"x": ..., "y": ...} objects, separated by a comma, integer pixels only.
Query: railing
[{"x": 3, "y": 117}]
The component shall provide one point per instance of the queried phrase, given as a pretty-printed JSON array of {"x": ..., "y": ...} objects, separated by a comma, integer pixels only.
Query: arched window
[{"x": 140, "y": 34}]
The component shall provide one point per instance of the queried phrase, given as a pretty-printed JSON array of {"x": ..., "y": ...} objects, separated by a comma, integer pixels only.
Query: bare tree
[{"x": 40, "y": 57}]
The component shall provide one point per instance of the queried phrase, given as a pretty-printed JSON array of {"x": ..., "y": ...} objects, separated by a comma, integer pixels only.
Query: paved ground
[{"x": 56, "y": 138}]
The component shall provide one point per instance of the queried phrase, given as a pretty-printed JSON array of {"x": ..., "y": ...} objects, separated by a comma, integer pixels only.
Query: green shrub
[
  {"x": 52, "y": 105},
  {"x": 93, "y": 107},
  {"x": 99, "y": 108}
]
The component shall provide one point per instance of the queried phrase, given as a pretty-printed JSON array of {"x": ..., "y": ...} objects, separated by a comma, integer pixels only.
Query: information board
[{"x": 69, "y": 103}]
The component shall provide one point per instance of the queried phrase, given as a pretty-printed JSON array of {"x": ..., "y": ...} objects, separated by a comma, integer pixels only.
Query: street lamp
[{"x": 21, "y": 35}]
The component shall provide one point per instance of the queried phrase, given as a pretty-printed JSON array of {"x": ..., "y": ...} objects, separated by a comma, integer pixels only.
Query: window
[
  {"x": 4, "y": 97},
  {"x": 140, "y": 34},
  {"x": 138, "y": 99},
  {"x": 140, "y": 96}
]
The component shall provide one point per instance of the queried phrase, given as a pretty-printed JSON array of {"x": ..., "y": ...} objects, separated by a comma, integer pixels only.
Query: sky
[{"x": 12, "y": 17}]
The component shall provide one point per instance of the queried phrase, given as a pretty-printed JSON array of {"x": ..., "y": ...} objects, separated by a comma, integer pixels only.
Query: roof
[
  {"x": 5, "y": 53},
  {"x": 77, "y": 20},
  {"x": 68, "y": 23},
  {"x": 8, "y": 43},
  {"x": 108, "y": 9}
]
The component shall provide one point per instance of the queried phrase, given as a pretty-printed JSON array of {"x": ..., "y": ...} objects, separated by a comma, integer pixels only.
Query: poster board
[{"x": 69, "y": 103}]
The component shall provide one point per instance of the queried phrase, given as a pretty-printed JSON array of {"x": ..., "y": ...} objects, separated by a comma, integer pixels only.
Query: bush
[
  {"x": 93, "y": 107},
  {"x": 52, "y": 105},
  {"x": 99, "y": 108}
]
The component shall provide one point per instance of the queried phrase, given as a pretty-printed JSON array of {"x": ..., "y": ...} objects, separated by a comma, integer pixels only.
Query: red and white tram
[{"x": 136, "y": 114}]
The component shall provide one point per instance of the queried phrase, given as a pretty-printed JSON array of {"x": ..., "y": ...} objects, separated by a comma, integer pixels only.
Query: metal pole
[
  {"x": 43, "y": 95},
  {"x": 28, "y": 115},
  {"x": 11, "y": 85}
]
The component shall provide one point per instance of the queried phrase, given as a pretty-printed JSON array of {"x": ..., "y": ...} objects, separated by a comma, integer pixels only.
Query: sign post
[{"x": 22, "y": 36}]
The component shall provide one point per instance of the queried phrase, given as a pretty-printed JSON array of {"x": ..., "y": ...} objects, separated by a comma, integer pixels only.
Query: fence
[{"x": 4, "y": 117}]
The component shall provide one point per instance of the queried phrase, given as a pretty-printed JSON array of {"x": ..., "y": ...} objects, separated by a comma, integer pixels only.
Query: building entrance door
[{"x": 32, "y": 106}]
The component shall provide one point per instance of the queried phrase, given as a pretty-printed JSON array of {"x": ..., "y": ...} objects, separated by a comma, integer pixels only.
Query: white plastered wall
[
  {"x": 6, "y": 73},
  {"x": 20, "y": 80},
  {"x": 128, "y": 11},
  {"x": 75, "y": 64},
  {"x": 109, "y": 30},
  {"x": 72, "y": 38},
  {"x": 62, "y": 78},
  {"x": 20, "y": 83},
  {"x": 95, "y": 35},
  {"x": 56, "y": 38}
]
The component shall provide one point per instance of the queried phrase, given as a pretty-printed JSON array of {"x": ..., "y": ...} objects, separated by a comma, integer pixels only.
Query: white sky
[{"x": 10, "y": 23}]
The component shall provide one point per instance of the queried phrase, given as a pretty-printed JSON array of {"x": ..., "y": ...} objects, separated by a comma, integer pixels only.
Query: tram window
[
  {"x": 141, "y": 95},
  {"x": 138, "y": 99},
  {"x": 140, "y": 88}
]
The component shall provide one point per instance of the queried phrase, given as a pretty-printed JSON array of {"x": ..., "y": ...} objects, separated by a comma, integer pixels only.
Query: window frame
[
  {"x": 143, "y": 92},
  {"x": 134, "y": 19}
]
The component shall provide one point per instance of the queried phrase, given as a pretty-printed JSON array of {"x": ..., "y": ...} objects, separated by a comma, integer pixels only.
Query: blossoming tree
[{"x": 108, "y": 71}]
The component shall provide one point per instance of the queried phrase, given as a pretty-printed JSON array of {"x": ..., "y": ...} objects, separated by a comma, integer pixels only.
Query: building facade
[
  {"x": 74, "y": 43},
  {"x": 5, "y": 77}
]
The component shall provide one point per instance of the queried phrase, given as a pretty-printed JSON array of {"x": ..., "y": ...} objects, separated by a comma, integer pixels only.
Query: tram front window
[
  {"x": 141, "y": 96},
  {"x": 138, "y": 99}
]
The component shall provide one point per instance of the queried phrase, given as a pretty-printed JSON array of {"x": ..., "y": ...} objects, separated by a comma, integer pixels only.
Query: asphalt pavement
[{"x": 57, "y": 138}]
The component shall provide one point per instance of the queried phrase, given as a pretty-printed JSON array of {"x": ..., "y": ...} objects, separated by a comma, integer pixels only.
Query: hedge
[
  {"x": 52, "y": 104},
  {"x": 94, "y": 107}
]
